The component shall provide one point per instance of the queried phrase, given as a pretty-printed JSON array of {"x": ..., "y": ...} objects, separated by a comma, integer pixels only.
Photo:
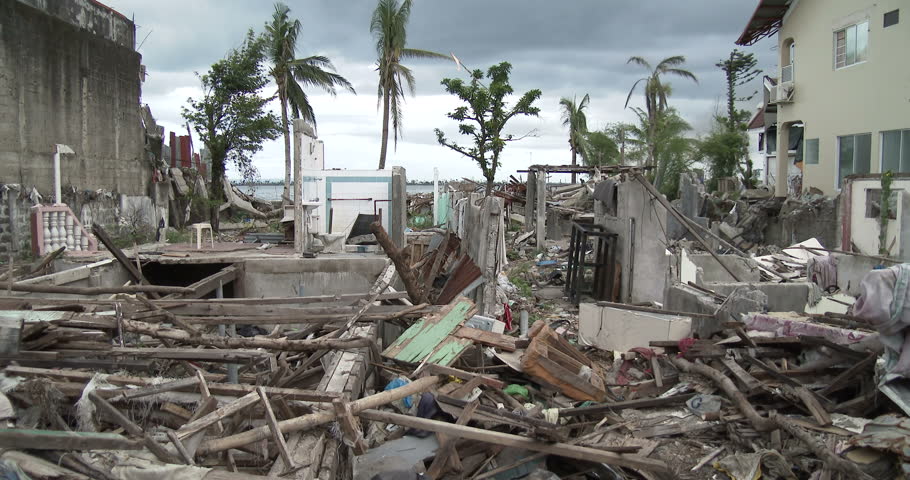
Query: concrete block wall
[
  {"x": 75, "y": 82},
  {"x": 15, "y": 233}
]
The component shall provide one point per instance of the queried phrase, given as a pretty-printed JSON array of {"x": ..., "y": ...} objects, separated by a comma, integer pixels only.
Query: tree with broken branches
[
  {"x": 230, "y": 117},
  {"x": 485, "y": 116}
]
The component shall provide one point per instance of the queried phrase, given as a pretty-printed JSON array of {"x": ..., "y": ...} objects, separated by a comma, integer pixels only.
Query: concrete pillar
[
  {"x": 304, "y": 138},
  {"x": 541, "y": 222},
  {"x": 783, "y": 160},
  {"x": 398, "y": 207},
  {"x": 530, "y": 200}
]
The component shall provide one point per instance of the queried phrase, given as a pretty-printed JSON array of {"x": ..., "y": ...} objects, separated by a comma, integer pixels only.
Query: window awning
[{"x": 765, "y": 21}]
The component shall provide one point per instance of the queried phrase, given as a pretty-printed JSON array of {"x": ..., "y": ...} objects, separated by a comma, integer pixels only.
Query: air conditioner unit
[{"x": 782, "y": 93}]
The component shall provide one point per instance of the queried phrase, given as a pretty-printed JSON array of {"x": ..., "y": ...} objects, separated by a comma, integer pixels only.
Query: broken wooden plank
[
  {"x": 275, "y": 430},
  {"x": 490, "y": 339},
  {"x": 59, "y": 440},
  {"x": 318, "y": 418},
  {"x": 552, "y": 360},
  {"x": 349, "y": 426},
  {"x": 505, "y": 439},
  {"x": 181, "y": 449},
  {"x": 446, "y": 455},
  {"x": 435, "y": 369},
  {"x": 849, "y": 375},
  {"x": 616, "y": 406},
  {"x": 183, "y": 383},
  {"x": 124, "y": 262},
  {"x": 130, "y": 427},
  {"x": 221, "y": 413},
  {"x": 750, "y": 384}
]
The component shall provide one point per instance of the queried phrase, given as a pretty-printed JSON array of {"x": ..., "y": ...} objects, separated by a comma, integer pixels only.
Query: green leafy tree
[
  {"x": 389, "y": 29},
  {"x": 291, "y": 74},
  {"x": 656, "y": 93},
  {"x": 573, "y": 117},
  {"x": 739, "y": 69},
  {"x": 673, "y": 151},
  {"x": 485, "y": 115},
  {"x": 600, "y": 149},
  {"x": 722, "y": 149},
  {"x": 621, "y": 135},
  {"x": 230, "y": 116}
]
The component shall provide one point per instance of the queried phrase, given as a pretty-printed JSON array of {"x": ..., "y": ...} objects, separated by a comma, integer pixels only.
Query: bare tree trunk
[
  {"x": 216, "y": 194},
  {"x": 574, "y": 162},
  {"x": 286, "y": 195},
  {"x": 385, "y": 127},
  {"x": 489, "y": 187}
]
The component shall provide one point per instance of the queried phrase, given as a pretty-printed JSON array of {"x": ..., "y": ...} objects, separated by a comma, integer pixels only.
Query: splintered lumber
[
  {"x": 760, "y": 423},
  {"x": 505, "y": 439},
  {"x": 181, "y": 449},
  {"x": 830, "y": 459},
  {"x": 746, "y": 380},
  {"x": 152, "y": 289},
  {"x": 222, "y": 412},
  {"x": 133, "y": 272},
  {"x": 616, "y": 406},
  {"x": 283, "y": 344},
  {"x": 130, "y": 394},
  {"x": 130, "y": 427},
  {"x": 430, "y": 339},
  {"x": 318, "y": 418},
  {"x": 446, "y": 455},
  {"x": 208, "y": 284},
  {"x": 226, "y": 389},
  {"x": 402, "y": 264},
  {"x": 58, "y": 440},
  {"x": 349, "y": 426},
  {"x": 505, "y": 343},
  {"x": 277, "y": 436},
  {"x": 554, "y": 361},
  {"x": 454, "y": 372}
]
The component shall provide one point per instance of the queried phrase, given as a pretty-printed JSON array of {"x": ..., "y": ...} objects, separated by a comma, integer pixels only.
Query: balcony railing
[{"x": 55, "y": 226}]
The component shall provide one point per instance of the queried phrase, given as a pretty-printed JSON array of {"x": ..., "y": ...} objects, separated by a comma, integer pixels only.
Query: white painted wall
[
  {"x": 864, "y": 231},
  {"x": 347, "y": 193}
]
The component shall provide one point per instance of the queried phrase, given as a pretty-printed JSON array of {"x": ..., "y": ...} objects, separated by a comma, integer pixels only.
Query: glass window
[
  {"x": 811, "y": 151},
  {"x": 771, "y": 141},
  {"x": 854, "y": 153},
  {"x": 896, "y": 151},
  {"x": 891, "y": 18},
  {"x": 851, "y": 45}
]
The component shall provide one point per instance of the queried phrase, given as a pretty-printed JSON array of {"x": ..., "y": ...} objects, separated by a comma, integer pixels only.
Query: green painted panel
[
  {"x": 421, "y": 338},
  {"x": 448, "y": 352}
]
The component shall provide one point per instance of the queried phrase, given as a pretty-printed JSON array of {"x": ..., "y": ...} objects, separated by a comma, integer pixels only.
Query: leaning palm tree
[
  {"x": 573, "y": 116},
  {"x": 292, "y": 74},
  {"x": 656, "y": 92},
  {"x": 389, "y": 28}
]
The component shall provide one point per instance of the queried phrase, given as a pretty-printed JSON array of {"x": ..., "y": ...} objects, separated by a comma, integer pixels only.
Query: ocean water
[{"x": 273, "y": 192}]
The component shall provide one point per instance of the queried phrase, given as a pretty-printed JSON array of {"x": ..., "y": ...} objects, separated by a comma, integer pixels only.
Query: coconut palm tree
[
  {"x": 292, "y": 74},
  {"x": 573, "y": 116},
  {"x": 656, "y": 92},
  {"x": 389, "y": 28}
]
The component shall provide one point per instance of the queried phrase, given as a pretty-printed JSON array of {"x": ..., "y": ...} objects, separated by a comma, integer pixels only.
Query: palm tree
[
  {"x": 389, "y": 28},
  {"x": 292, "y": 74},
  {"x": 656, "y": 92},
  {"x": 573, "y": 116}
]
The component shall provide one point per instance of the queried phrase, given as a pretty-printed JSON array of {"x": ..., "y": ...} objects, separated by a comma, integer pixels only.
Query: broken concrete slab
[{"x": 619, "y": 330}]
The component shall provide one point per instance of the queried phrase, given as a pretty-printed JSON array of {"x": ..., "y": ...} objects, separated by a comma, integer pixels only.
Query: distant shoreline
[{"x": 280, "y": 183}]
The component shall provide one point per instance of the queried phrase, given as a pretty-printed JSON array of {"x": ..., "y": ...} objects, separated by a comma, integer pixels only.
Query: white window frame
[
  {"x": 837, "y": 179},
  {"x": 881, "y": 147},
  {"x": 844, "y": 29}
]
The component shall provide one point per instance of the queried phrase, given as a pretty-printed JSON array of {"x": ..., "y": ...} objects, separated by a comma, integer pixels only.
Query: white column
[
  {"x": 60, "y": 150},
  {"x": 435, "y": 196}
]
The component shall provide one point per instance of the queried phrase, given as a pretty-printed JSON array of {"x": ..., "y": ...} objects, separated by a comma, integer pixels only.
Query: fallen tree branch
[
  {"x": 402, "y": 266},
  {"x": 830, "y": 460},
  {"x": 760, "y": 423}
]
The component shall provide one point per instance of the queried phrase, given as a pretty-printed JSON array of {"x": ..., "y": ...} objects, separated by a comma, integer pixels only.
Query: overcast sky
[{"x": 564, "y": 48}]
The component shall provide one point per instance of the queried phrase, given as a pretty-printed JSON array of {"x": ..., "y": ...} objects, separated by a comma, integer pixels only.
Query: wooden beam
[
  {"x": 150, "y": 289},
  {"x": 208, "y": 284},
  {"x": 402, "y": 266},
  {"x": 611, "y": 407},
  {"x": 134, "y": 274},
  {"x": 131, "y": 428},
  {"x": 275, "y": 430},
  {"x": 222, "y": 412},
  {"x": 505, "y": 439},
  {"x": 446, "y": 455},
  {"x": 435, "y": 369},
  {"x": 20, "y": 438},
  {"x": 350, "y": 426},
  {"x": 319, "y": 418}
]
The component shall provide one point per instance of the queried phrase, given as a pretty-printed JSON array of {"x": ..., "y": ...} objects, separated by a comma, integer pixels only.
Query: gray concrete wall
[
  {"x": 850, "y": 272},
  {"x": 711, "y": 271},
  {"x": 63, "y": 83},
  {"x": 281, "y": 277},
  {"x": 782, "y": 297},
  {"x": 641, "y": 251},
  {"x": 477, "y": 220}
]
